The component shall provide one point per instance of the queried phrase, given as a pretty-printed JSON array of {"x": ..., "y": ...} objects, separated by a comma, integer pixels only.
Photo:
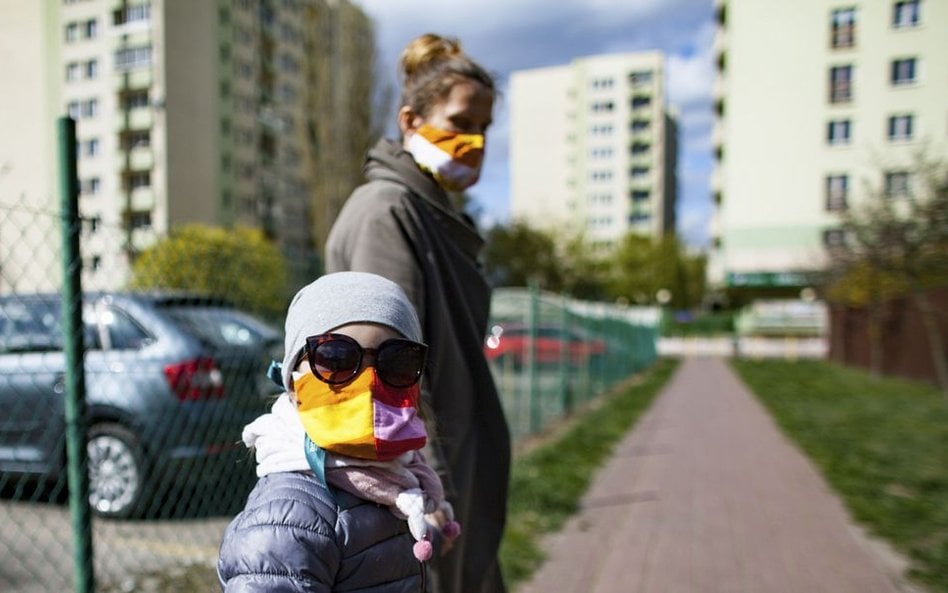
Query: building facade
[
  {"x": 819, "y": 105},
  {"x": 593, "y": 147},
  {"x": 187, "y": 112}
]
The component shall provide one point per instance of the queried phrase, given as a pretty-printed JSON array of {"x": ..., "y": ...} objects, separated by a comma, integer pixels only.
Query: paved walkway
[{"x": 706, "y": 495}]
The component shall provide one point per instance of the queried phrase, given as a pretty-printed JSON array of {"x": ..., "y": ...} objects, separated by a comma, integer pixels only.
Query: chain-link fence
[
  {"x": 170, "y": 380},
  {"x": 550, "y": 354}
]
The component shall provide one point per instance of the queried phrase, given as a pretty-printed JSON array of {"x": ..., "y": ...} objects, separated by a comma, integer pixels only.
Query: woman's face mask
[
  {"x": 364, "y": 418},
  {"x": 452, "y": 158}
]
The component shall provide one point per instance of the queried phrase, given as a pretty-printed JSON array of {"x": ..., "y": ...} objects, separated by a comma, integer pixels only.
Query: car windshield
[{"x": 218, "y": 327}]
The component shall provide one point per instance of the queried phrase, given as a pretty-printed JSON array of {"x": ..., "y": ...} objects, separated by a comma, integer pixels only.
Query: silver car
[{"x": 170, "y": 381}]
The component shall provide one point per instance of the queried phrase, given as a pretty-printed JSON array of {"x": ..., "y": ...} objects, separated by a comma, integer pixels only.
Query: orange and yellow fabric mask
[{"x": 452, "y": 158}]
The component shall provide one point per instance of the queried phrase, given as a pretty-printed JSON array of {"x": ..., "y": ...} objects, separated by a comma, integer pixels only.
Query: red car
[{"x": 553, "y": 343}]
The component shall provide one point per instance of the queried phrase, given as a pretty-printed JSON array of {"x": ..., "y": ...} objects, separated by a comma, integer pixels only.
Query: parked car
[
  {"x": 171, "y": 379},
  {"x": 554, "y": 344}
]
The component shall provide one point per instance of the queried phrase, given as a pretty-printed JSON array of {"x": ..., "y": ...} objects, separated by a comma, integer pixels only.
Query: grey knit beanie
[{"x": 338, "y": 299}]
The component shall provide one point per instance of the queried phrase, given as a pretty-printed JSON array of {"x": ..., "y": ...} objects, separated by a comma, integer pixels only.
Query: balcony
[
  {"x": 717, "y": 134},
  {"x": 134, "y": 79},
  {"x": 143, "y": 238},
  {"x": 141, "y": 158},
  {"x": 143, "y": 198},
  {"x": 140, "y": 118}
]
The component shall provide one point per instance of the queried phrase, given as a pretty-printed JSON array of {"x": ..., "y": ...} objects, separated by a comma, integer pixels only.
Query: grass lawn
[
  {"x": 548, "y": 481},
  {"x": 882, "y": 445}
]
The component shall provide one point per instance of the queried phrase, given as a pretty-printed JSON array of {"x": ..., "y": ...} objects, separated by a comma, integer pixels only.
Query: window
[
  {"x": 244, "y": 70},
  {"x": 92, "y": 69},
  {"x": 602, "y": 83},
  {"x": 601, "y": 106},
  {"x": 841, "y": 84},
  {"x": 898, "y": 184},
  {"x": 139, "y": 179},
  {"x": 844, "y": 28},
  {"x": 73, "y": 109},
  {"x": 639, "y": 148},
  {"x": 900, "y": 127},
  {"x": 905, "y": 14},
  {"x": 72, "y": 71},
  {"x": 639, "y": 195},
  {"x": 91, "y": 186},
  {"x": 135, "y": 100},
  {"x": 837, "y": 132},
  {"x": 601, "y": 175},
  {"x": 903, "y": 71},
  {"x": 119, "y": 330},
  {"x": 837, "y": 192},
  {"x": 92, "y": 147},
  {"x": 140, "y": 219},
  {"x": 90, "y": 28},
  {"x": 136, "y": 139},
  {"x": 638, "y": 172},
  {"x": 90, "y": 108},
  {"x": 132, "y": 13},
  {"x": 130, "y": 58},
  {"x": 641, "y": 102},
  {"x": 834, "y": 238},
  {"x": 640, "y": 125},
  {"x": 641, "y": 77},
  {"x": 72, "y": 32}
]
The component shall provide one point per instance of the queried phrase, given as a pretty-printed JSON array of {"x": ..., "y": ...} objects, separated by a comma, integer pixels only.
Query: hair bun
[{"x": 427, "y": 49}]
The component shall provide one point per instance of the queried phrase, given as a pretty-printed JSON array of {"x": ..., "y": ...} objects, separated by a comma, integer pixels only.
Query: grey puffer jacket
[{"x": 294, "y": 536}]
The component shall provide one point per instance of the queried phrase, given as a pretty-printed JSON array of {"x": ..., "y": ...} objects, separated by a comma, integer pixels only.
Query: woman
[{"x": 401, "y": 224}]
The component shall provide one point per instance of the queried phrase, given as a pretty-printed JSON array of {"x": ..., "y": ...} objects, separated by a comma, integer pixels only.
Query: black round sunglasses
[{"x": 337, "y": 358}]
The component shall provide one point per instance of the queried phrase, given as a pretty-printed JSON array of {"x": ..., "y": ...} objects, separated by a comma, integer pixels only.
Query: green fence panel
[{"x": 550, "y": 353}]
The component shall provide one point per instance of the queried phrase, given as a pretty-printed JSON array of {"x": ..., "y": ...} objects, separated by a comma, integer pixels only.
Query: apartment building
[
  {"x": 819, "y": 105},
  {"x": 210, "y": 112},
  {"x": 593, "y": 147}
]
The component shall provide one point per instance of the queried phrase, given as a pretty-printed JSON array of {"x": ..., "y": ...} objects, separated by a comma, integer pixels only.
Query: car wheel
[{"x": 115, "y": 470}]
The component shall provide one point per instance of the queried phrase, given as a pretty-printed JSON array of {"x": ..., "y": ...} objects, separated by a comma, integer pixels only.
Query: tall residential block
[
  {"x": 820, "y": 104},
  {"x": 593, "y": 147},
  {"x": 209, "y": 112}
]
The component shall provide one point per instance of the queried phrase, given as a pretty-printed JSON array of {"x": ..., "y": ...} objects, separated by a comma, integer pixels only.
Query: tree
[
  {"x": 517, "y": 255},
  {"x": 897, "y": 246},
  {"x": 239, "y": 264},
  {"x": 641, "y": 266}
]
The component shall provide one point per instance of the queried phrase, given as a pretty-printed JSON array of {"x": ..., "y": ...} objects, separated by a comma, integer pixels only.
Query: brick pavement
[{"x": 706, "y": 495}]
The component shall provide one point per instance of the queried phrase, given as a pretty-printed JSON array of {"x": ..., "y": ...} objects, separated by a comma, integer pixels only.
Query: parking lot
[{"x": 36, "y": 549}]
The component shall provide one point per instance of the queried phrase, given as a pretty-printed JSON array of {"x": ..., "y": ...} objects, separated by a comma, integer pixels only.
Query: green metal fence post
[
  {"x": 75, "y": 404},
  {"x": 531, "y": 358},
  {"x": 566, "y": 398}
]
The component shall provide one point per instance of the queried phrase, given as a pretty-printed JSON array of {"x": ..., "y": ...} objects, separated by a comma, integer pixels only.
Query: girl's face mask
[
  {"x": 364, "y": 418},
  {"x": 454, "y": 159}
]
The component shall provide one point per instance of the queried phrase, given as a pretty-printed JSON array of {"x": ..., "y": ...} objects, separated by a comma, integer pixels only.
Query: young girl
[{"x": 345, "y": 499}]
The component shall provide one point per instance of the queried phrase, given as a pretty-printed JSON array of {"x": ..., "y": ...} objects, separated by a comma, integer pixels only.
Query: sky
[{"x": 509, "y": 35}]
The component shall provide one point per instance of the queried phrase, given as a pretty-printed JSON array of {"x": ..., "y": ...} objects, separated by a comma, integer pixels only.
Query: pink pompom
[
  {"x": 423, "y": 550},
  {"x": 451, "y": 529}
]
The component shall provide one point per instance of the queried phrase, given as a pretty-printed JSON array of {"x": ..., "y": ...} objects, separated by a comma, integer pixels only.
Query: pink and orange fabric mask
[{"x": 364, "y": 418}]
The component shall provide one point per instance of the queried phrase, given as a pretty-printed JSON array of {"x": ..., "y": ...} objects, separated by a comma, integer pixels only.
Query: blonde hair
[{"x": 430, "y": 67}]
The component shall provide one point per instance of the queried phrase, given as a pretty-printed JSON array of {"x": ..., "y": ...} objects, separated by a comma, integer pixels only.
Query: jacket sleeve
[{"x": 281, "y": 546}]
